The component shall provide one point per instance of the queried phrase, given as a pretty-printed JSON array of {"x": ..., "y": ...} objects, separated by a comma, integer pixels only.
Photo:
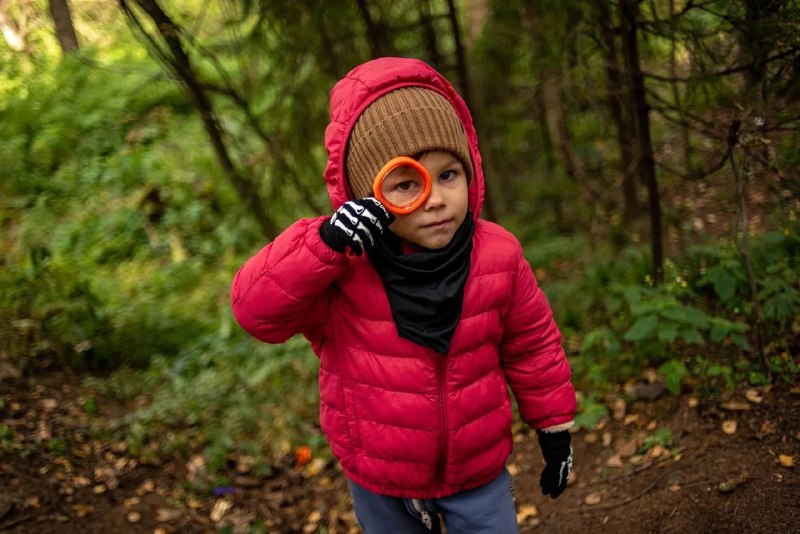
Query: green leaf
[
  {"x": 690, "y": 335},
  {"x": 686, "y": 315},
  {"x": 718, "y": 332},
  {"x": 724, "y": 285},
  {"x": 740, "y": 340},
  {"x": 667, "y": 332},
  {"x": 641, "y": 329},
  {"x": 673, "y": 371}
]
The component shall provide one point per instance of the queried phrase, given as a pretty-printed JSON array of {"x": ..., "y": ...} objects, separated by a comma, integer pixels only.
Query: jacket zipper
[{"x": 440, "y": 468}]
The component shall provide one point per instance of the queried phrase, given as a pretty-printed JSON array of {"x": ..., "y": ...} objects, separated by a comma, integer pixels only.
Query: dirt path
[{"x": 56, "y": 477}]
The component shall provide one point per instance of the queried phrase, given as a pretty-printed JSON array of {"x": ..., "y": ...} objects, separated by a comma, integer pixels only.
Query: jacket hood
[{"x": 365, "y": 84}]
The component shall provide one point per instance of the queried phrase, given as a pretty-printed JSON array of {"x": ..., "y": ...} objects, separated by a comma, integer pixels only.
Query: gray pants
[{"x": 486, "y": 509}]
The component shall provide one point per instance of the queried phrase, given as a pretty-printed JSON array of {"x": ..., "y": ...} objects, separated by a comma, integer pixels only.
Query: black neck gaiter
[{"x": 426, "y": 289}]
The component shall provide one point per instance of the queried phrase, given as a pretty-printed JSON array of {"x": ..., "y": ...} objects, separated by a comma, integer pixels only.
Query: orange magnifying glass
[{"x": 402, "y": 185}]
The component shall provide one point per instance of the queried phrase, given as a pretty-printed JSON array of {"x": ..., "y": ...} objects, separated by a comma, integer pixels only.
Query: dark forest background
[{"x": 645, "y": 153}]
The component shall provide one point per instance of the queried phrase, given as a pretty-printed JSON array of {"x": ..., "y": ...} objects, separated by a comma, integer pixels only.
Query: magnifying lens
[{"x": 402, "y": 185}]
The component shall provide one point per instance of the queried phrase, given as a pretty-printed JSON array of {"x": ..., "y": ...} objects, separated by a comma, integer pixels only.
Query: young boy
[{"x": 420, "y": 321}]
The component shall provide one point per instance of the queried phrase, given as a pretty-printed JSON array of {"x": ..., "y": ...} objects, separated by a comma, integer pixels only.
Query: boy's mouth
[{"x": 437, "y": 224}]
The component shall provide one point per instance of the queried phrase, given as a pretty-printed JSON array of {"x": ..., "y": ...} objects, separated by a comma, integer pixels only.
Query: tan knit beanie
[{"x": 404, "y": 122}]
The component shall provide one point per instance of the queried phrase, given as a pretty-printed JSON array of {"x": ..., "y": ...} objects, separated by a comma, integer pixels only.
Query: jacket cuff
[{"x": 557, "y": 428}]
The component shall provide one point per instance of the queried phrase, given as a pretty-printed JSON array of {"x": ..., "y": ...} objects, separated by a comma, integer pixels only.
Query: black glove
[
  {"x": 557, "y": 453},
  {"x": 356, "y": 225}
]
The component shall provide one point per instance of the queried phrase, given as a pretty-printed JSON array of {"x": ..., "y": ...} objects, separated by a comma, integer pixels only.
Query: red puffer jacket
[{"x": 404, "y": 420}]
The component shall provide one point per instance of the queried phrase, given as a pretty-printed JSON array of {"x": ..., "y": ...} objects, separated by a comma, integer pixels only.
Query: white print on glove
[{"x": 566, "y": 467}]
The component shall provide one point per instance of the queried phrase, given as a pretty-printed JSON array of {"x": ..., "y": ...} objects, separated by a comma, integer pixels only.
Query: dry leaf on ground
[
  {"x": 753, "y": 396},
  {"x": 526, "y": 511},
  {"x": 735, "y": 406},
  {"x": 729, "y": 426},
  {"x": 786, "y": 461},
  {"x": 593, "y": 498}
]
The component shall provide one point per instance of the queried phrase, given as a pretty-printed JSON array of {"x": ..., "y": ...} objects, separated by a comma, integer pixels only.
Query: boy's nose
[{"x": 435, "y": 199}]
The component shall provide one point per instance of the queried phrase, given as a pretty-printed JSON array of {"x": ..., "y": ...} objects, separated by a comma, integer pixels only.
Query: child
[{"x": 420, "y": 321}]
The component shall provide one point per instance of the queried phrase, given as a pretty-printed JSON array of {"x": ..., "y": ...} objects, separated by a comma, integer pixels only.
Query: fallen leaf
[
  {"x": 636, "y": 459},
  {"x": 627, "y": 449},
  {"x": 590, "y": 438},
  {"x": 618, "y": 409},
  {"x": 221, "y": 507},
  {"x": 168, "y": 515},
  {"x": 606, "y": 439},
  {"x": 146, "y": 487},
  {"x": 526, "y": 511},
  {"x": 631, "y": 418},
  {"x": 652, "y": 425},
  {"x": 729, "y": 426},
  {"x": 614, "y": 461},
  {"x": 674, "y": 488},
  {"x": 729, "y": 485},
  {"x": 194, "y": 503},
  {"x": 656, "y": 451},
  {"x": 245, "y": 463},
  {"x": 753, "y": 396},
  {"x": 49, "y": 404},
  {"x": 131, "y": 502},
  {"x": 692, "y": 402},
  {"x": 786, "y": 461},
  {"x": 735, "y": 406},
  {"x": 134, "y": 517},
  {"x": 32, "y": 502},
  {"x": 593, "y": 498},
  {"x": 513, "y": 469},
  {"x": 80, "y": 482},
  {"x": 767, "y": 428},
  {"x": 99, "y": 489},
  {"x": 315, "y": 467},
  {"x": 314, "y": 517},
  {"x": 82, "y": 510},
  {"x": 160, "y": 530}
]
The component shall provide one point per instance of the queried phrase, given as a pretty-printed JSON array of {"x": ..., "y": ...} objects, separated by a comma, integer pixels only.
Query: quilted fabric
[{"x": 402, "y": 419}]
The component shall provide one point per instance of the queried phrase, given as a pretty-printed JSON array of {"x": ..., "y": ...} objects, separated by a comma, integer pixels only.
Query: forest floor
[{"x": 722, "y": 467}]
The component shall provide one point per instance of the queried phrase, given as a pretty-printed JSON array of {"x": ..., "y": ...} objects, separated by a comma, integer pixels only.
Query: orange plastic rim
[{"x": 392, "y": 164}]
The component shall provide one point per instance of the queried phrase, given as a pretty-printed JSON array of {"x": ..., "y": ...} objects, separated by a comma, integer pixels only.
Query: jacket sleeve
[
  {"x": 532, "y": 357},
  {"x": 281, "y": 291}
]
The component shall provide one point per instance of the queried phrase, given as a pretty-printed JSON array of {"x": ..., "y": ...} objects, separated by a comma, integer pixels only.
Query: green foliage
[
  {"x": 662, "y": 436},
  {"x": 673, "y": 371},
  {"x": 590, "y": 412}
]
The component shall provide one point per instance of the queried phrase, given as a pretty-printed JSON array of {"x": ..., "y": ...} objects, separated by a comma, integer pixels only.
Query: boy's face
[{"x": 433, "y": 224}]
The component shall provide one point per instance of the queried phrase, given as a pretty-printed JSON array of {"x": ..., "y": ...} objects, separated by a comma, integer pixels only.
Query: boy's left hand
[{"x": 557, "y": 453}]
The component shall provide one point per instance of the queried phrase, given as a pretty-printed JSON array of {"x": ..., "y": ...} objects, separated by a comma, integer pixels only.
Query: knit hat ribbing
[{"x": 404, "y": 122}]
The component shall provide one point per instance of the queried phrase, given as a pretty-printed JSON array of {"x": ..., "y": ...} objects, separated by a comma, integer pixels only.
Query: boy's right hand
[{"x": 356, "y": 225}]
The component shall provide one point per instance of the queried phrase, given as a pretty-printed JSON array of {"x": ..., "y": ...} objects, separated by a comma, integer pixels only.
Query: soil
[{"x": 57, "y": 477}]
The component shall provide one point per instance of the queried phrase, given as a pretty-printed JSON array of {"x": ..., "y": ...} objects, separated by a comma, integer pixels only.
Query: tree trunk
[
  {"x": 617, "y": 95},
  {"x": 65, "y": 31},
  {"x": 476, "y": 108},
  {"x": 629, "y": 11},
  {"x": 555, "y": 114},
  {"x": 179, "y": 62},
  {"x": 374, "y": 33},
  {"x": 426, "y": 21}
]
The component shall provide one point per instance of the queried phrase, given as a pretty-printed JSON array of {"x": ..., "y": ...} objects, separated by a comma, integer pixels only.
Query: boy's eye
[
  {"x": 447, "y": 175},
  {"x": 405, "y": 186}
]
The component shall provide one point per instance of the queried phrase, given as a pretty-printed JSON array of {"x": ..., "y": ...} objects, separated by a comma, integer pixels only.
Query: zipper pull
[{"x": 426, "y": 520}]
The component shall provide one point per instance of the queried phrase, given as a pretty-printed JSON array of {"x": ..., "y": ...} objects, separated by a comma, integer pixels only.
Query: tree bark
[
  {"x": 629, "y": 12},
  {"x": 179, "y": 62},
  {"x": 65, "y": 30},
  {"x": 426, "y": 21},
  {"x": 617, "y": 95},
  {"x": 374, "y": 32}
]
